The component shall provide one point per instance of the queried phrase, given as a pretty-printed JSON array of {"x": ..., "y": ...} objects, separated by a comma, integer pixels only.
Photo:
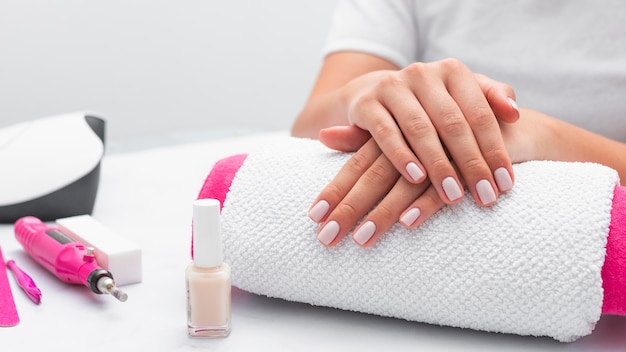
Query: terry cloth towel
[{"x": 529, "y": 265}]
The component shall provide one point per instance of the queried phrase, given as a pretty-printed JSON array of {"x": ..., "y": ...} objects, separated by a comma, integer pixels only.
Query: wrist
[
  {"x": 540, "y": 137},
  {"x": 548, "y": 141}
]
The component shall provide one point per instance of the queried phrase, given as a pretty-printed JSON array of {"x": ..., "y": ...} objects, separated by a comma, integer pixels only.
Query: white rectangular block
[{"x": 118, "y": 255}]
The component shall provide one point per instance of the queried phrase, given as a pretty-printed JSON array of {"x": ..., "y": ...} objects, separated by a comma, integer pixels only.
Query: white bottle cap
[{"x": 207, "y": 242}]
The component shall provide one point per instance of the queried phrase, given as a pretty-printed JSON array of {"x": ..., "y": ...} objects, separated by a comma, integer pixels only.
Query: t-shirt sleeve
[{"x": 382, "y": 28}]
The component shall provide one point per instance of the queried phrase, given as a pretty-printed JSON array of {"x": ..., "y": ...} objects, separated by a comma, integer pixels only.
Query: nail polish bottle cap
[{"x": 207, "y": 242}]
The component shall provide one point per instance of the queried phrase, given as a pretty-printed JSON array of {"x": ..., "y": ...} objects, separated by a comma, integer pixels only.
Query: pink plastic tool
[
  {"x": 70, "y": 261},
  {"x": 8, "y": 311},
  {"x": 25, "y": 282}
]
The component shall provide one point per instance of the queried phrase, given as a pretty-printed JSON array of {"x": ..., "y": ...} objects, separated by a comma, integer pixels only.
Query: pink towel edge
[
  {"x": 614, "y": 268},
  {"x": 218, "y": 182}
]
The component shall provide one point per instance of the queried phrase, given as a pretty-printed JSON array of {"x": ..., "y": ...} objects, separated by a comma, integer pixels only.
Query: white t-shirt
[{"x": 564, "y": 58}]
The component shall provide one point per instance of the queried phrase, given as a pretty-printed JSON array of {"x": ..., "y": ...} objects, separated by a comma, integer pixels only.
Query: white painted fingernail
[
  {"x": 410, "y": 217},
  {"x": 328, "y": 233},
  {"x": 364, "y": 233},
  {"x": 513, "y": 104},
  {"x": 319, "y": 210},
  {"x": 451, "y": 189},
  {"x": 503, "y": 179},
  {"x": 485, "y": 192},
  {"x": 414, "y": 171}
]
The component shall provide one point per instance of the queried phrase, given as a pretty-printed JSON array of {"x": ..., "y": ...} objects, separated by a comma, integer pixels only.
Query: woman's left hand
[
  {"x": 369, "y": 184},
  {"x": 367, "y": 177}
]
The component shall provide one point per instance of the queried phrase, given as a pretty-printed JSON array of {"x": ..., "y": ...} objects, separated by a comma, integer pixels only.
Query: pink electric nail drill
[{"x": 70, "y": 261}]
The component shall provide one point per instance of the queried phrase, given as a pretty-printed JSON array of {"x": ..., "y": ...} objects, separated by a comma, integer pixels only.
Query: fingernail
[
  {"x": 414, "y": 171},
  {"x": 328, "y": 233},
  {"x": 364, "y": 233},
  {"x": 503, "y": 179},
  {"x": 513, "y": 104},
  {"x": 319, "y": 210},
  {"x": 485, "y": 192},
  {"x": 451, "y": 189},
  {"x": 409, "y": 218}
]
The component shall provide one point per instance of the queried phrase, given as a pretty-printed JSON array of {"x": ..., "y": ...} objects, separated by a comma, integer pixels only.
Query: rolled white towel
[{"x": 529, "y": 265}]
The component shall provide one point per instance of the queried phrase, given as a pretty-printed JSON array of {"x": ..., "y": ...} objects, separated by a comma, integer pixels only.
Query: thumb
[
  {"x": 344, "y": 138},
  {"x": 501, "y": 98}
]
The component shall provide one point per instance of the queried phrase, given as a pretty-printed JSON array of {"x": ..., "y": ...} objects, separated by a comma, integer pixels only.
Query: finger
[
  {"x": 422, "y": 208},
  {"x": 387, "y": 212},
  {"x": 501, "y": 98},
  {"x": 371, "y": 115},
  {"x": 369, "y": 189},
  {"x": 488, "y": 136},
  {"x": 345, "y": 179},
  {"x": 434, "y": 117},
  {"x": 460, "y": 114},
  {"x": 422, "y": 135},
  {"x": 344, "y": 138}
]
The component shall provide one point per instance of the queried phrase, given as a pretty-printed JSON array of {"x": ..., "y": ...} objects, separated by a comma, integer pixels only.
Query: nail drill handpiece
[{"x": 68, "y": 260}]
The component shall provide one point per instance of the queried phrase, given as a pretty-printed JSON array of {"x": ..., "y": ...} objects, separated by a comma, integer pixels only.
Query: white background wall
[{"x": 153, "y": 67}]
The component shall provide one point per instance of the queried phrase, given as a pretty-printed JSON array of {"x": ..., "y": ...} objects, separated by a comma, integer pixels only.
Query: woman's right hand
[{"x": 429, "y": 116}]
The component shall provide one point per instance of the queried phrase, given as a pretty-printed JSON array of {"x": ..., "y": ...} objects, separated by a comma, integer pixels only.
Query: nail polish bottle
[{"x": 208, "y": 277}]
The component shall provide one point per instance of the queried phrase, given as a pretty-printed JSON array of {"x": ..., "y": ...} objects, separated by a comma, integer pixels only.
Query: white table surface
[{"x": 146, "y": 195}]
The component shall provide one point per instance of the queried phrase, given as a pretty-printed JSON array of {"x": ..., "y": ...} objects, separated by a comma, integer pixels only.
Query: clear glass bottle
[{"x": 208, "y": 277}]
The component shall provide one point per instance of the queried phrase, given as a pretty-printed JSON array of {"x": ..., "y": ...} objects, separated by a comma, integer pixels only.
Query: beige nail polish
[
  {"x": 328, "y": 233},
  {"x": 451, "y": 189},
  {"x": 410, "y": 217},
  {"x": 485, "y": 192},
  {"x": 414, "y": 171},
  {"x": 208, "y": 277},
  {"x": 513, "y": 104},
  {"x": 364, "y": 233},
  {"x": 503, "y": 179},
  {"x": 318, "y": 211}
]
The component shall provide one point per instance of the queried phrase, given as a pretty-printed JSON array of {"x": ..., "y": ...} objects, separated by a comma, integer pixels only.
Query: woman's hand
[
  {"x": 429, "y": 116},
  {"x": 424, "y": 117},
  {"x": 368, "y": 178},
  {"x": 365, "y": 178}
]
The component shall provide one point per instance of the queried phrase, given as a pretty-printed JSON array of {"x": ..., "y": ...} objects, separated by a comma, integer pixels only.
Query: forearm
[
  {"x": 566, "y": 142},
  {"x": 321, "y": 111}
]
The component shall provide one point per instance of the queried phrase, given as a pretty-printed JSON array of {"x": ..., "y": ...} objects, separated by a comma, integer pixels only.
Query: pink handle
[
  {"x": 65, "y": 258},
  {"x": 25, "y": 282}
]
